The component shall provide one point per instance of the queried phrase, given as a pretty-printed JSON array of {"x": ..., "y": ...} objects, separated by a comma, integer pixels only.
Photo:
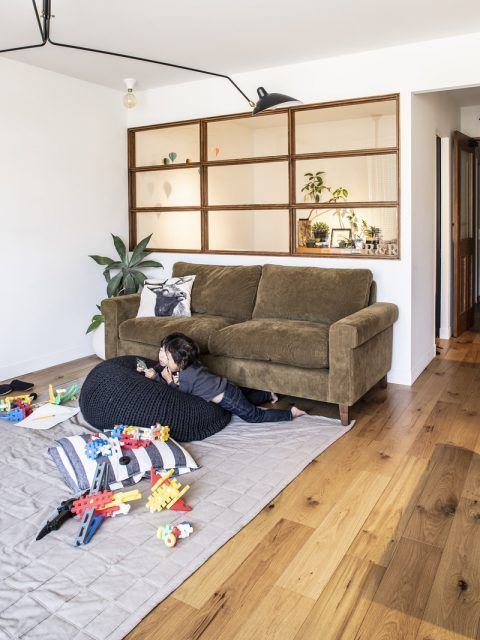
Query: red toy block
[
  {"x": 179, "y": 504},
  {"x": 97, "y": 501},
  {"x": 133, "y": 443},
  {"x": 106, "y": 513}
]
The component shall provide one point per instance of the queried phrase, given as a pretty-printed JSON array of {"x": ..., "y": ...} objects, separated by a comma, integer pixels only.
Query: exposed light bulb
[{"x": 129, "y": 99}]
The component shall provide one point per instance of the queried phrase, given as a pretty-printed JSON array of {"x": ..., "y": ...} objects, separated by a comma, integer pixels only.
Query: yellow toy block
[
  {"x": 165, "y": 493},
  {"x": 124, "y": 496}
]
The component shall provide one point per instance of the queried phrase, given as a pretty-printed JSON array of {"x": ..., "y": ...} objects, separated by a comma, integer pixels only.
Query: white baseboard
[
  {"x": 445, "y": 333},
  {"x": 423, "y": 362},
  {"x": 400, "y": 376},
  {"x": 16, "y": 369}
]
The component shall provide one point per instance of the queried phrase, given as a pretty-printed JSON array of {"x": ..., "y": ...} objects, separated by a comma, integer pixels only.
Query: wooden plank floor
[{"x": 379, "y": 537}]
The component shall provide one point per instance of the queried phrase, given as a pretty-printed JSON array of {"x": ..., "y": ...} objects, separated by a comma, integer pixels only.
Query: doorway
[{"x": 464, "y": 231}]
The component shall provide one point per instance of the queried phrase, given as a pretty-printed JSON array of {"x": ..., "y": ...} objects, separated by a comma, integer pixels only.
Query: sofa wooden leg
[
  {"x": 383, "y": 383},
  {"x": 344, "y": 414}
]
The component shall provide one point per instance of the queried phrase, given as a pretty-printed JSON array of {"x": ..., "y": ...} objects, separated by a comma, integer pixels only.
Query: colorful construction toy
[
  {"x": 170, "y": 534},
  {"x": 61, "y": 396},
  {"x": 15, "y": 408},
  {"x": 165, "y": 494},
  {"x": 179, "y": 505}
]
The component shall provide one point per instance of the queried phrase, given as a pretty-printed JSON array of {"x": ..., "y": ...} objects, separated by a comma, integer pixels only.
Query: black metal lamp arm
[{"x": 45, "y": 34}]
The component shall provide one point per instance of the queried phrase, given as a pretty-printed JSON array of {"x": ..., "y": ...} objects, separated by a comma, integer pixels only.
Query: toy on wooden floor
[
  {"x": 15, "y": 408},
  {"x": 170, "y": 534},
  {"x": 165, "y": 493},
  {"x": 62, "y": 396},
  {"x": 179, "y": 505}
]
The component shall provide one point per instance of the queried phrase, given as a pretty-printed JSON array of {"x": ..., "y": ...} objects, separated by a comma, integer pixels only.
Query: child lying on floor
[{"x": 179, "y": 366}]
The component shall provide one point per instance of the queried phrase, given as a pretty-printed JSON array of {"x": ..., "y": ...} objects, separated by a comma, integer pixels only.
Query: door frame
[{"x": 465, "y": 143}]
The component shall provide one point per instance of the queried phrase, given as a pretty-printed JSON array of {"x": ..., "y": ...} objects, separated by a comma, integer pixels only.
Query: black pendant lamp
[{"x": 267, "y": 101}]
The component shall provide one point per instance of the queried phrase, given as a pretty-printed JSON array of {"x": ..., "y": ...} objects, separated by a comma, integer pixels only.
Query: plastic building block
[
  {"x": 97, "y": 447},
  {"x": 165, "y": 493},
  {"x": 179, "y": 504},
  {"x": 61, "y": 396},
  {"x": 85, "y": 525},
  {"x": 170, "y": 534},
  {"x": 95, "y": 523},
  {"x": 95, "y": 501},
  {"x": 117, "y": 431}
]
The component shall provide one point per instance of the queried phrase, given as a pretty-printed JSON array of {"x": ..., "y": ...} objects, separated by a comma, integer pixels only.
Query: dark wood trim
[
  {"x": 203, "y": 186},
  {"x": 248, "y": 114},
  {"x": 132, "y": 193},
  {"x": 291, "y": 158},
  {"x": 281, "y": 158},
  {"x": 166, "y": 167}
]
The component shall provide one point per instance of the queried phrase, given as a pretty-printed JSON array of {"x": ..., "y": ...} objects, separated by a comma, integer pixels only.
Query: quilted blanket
[{"x": 52, "y": 589}]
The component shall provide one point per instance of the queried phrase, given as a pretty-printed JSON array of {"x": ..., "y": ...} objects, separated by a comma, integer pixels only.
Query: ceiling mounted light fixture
[
  {"x": 269, "y": 101},
  {"x": 43, "y": 23},
  {"x": 129, "y": 99}
]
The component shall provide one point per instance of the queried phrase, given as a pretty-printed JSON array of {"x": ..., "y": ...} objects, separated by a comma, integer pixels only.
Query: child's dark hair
[{"x": 184, "y": 350}]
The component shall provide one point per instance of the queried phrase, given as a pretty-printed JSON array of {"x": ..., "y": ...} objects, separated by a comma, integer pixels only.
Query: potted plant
[
  {"x": 313, "y": 189},
  {"x": 321, "y": 231},
  {"x": 128, "y": 279}
]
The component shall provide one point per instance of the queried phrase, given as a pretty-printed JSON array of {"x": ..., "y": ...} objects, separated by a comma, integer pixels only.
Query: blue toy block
[
  {"x": 117, "y": 431},
  {"x": 92, "y": 448},
  {"x": 94, "y": 525}
]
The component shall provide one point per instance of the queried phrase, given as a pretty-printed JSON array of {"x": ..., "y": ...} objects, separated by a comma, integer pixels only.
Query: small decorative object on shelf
[
  {"x": 187, "y": 161},
  {"x": 341, "y": 238},
  {"x": 320, "y": 233},
  {"x": 172, "y": 155},
  {"x": 166, "y": 161}
]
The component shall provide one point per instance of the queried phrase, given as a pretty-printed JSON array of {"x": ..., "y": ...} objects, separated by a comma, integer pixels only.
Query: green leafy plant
[
  {"x": 129, "y": 278},
  {"x": 314, "y": 186},
  {"x": 321, "y": 228}
]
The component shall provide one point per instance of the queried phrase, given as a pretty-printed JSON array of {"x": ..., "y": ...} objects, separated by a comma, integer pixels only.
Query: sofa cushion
[
  {"x": 311, "y": 293},
  {"x": 292, "y": 342},
  {"x": 152, "y": 330},
  {"x": 222, "y": 290}
]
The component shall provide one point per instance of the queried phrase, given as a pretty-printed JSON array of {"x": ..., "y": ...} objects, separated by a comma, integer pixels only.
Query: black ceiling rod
[{"x": 45, "y": 32}]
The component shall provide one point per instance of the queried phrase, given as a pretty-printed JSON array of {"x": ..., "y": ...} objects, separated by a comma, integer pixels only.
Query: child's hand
[
  {"x": 150, "y": 373},
  {"x": 166, "y": 375}
]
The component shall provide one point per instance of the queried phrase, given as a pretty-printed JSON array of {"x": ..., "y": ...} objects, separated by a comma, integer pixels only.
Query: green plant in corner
[{"x": 129, "y": 278}]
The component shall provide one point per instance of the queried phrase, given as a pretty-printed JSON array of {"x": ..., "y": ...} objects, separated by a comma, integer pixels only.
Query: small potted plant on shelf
[{"x": 321, "y": 231}]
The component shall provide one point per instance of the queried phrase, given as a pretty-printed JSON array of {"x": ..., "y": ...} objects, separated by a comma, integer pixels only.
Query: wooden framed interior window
[{"x": 312, "y": 180}]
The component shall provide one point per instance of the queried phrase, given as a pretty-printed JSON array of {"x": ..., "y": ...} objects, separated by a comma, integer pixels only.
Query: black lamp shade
[{"x": 272, "y": 101}]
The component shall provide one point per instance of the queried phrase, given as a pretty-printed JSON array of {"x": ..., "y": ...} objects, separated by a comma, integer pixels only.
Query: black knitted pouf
[{"x": 114, "y": 393}]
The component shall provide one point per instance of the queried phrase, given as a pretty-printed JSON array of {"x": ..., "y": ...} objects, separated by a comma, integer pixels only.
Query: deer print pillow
[{"x": 169, "y": 297}]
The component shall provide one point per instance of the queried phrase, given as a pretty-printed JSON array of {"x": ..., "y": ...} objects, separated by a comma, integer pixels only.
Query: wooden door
[{"x": 464, "y": 164}]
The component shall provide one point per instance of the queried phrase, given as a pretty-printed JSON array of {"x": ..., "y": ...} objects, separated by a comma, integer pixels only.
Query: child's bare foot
[
  {"x": 296, "y": 412},
  {"x": 274, "y": 397}
]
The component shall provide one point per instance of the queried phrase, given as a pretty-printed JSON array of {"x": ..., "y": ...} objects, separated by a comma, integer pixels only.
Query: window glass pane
[
  {"x": 171, "y": 229},
  {"x": 366, "y": 178},
  {"x": 369, "y": 125},
  {"x": 168, "y": 188},
  {"x": 153, "y": 145},
  {"x": 262, "y": 183},
  {"x": 248, "y": 137},
  {"x": 375, "y": 229},
  {"x": 248, "y": 230}
]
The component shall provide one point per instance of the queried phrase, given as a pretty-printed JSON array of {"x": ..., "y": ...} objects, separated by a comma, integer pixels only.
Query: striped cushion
[{"x": 77, "y": 469}]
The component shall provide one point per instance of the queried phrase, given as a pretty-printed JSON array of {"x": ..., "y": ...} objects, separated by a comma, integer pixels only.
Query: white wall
[
  {"x": 433, "y": 114},
  {"x": 425, "y": 66},
  {"x": 63, "y": 183}
]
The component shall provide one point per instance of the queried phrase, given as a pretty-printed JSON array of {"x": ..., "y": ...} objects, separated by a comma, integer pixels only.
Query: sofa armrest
[
  {"x": 115, "y": 311},
  {"x": 360, "y": 351},
  {"x": 356, "y": 329}
]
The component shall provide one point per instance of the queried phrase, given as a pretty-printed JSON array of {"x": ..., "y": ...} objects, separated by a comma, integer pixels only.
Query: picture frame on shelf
[{"x": 340, "y": 238}]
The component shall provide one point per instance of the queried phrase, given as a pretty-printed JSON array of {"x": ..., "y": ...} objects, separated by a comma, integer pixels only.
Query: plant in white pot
[{"x": 128, "y": 279}]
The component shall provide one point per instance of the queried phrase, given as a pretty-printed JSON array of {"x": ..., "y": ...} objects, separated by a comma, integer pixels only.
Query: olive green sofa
[{"x": 303, "y": 331}]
